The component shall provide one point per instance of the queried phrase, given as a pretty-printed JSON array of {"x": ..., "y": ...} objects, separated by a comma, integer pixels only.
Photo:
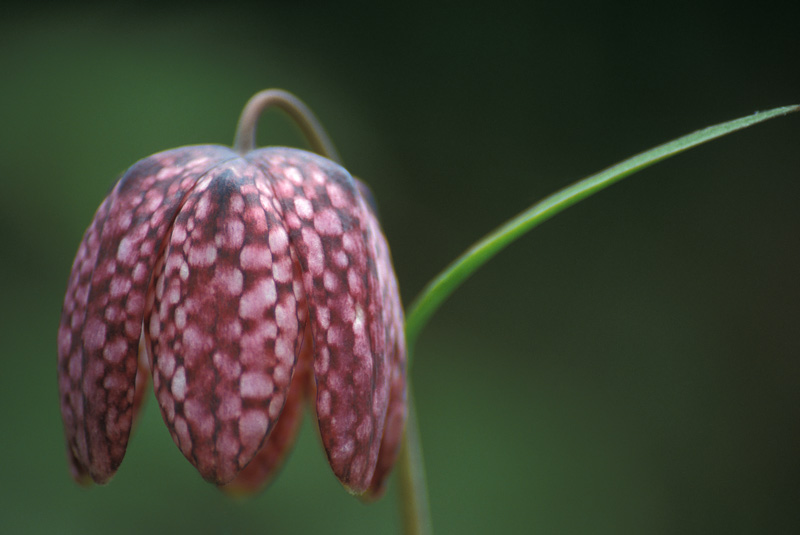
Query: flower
[{"x": 244, "y": 282}]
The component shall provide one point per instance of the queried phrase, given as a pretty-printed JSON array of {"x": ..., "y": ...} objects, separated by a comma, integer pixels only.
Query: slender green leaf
[{"x": 435, "y": 293}]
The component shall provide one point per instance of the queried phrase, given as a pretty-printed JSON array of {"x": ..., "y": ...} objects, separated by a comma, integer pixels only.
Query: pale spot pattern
[
  {"x": 126, "y": 224},
  {"x": 261, "y": 280}
]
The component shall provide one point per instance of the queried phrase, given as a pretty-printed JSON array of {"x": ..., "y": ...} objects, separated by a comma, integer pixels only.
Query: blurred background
[{"x": 632, "y": 366}]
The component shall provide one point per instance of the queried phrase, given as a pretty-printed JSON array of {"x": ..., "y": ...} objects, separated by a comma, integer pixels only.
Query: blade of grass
[{"x": 440, "y": 288}]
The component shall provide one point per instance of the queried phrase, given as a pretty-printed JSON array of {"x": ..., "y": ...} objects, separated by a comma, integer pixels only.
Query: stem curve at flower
[
  {"x": 440, "y": 288},
  {"x": 301, "y": 114}
]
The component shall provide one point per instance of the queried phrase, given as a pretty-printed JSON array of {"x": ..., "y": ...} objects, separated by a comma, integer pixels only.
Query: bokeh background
[{"x": 632, "y": 366}]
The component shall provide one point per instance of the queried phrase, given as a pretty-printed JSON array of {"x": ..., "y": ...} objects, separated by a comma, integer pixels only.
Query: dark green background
[{"x": 632, "y": 366}]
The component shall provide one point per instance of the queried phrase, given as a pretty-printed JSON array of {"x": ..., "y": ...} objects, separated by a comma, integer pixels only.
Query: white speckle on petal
[
  {"x": 304, "y": 208},
  {"x": 229, "y": 279},
  {"x": 180, "y": 317},
  {"x": 293, "y": 174},
  {"x": 328, "y": 223},
  {"x": 203, "y": 255},
  {"x": 282, "y": 269},
  {"x": 324, "y": 404},
  {"x": 256, "y": 301},
  {"x": 278, "y": 240},
  {"x": 275, "y": 406},
  {"x": 358, "y": 323},
  {"x": 126, "y": 252},
  {"x": 330, "y": 281},
  {"x": 179, "y": 384},
  {"x": 315, "y": 257},
  {"x": 252, "y": 428},
  {"x": 255, "y": 385},
  {"x": 114, "y": 351},
  {"x": 284, "y": 351},
  {"x": 94, "y": 334},
  {"x": 255, "y": 257}
]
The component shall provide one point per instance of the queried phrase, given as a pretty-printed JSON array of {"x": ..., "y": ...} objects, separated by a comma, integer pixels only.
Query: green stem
[
  {"x": 411, "y": 478},
  {"x": 440, "y": 288},
  {"x": 311, "y": 127}
]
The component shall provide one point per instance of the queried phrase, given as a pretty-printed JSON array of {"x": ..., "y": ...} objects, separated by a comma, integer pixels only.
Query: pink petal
[
  {"x": 104, "y": 305},
  {"x": 256, "y": 475},
  {"x": 225, "y": 323},
  {"x": 329, "y": 229},
  {"x": 70, "y": 349},
  {"x": 396, "y": 353}
]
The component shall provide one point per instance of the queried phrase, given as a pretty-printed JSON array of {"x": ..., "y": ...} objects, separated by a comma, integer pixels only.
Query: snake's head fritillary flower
[{"x": 245, "y": 282}]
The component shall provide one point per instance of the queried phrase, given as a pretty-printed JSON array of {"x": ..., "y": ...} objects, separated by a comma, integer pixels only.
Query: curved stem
[
  {"x": 440, "y": 288},
  {"x": 411, "y": 478},
  {"x": 245, "y": 140}
]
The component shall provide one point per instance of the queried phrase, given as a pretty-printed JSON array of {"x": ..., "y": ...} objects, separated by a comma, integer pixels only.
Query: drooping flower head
[{"x": 245, "y": 282}]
